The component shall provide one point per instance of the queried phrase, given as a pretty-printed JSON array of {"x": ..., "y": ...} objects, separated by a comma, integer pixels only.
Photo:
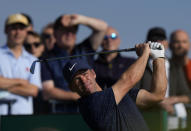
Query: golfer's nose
[{"x": 83, "y": 78}]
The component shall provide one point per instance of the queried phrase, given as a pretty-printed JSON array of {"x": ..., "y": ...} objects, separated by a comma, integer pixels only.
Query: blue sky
[{"x": 132, "y": 18}]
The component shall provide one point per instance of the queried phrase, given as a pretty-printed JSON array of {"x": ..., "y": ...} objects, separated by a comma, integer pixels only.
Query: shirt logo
[
  {"x": 70, "y": 68},
  {"x": 27, "y": 69}
]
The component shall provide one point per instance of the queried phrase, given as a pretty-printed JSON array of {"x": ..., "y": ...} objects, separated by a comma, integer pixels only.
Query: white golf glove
[{"x": 157, "y": 50}]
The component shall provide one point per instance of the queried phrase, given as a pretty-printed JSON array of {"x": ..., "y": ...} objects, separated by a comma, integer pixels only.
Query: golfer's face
[{"x": 84, "y": 82}]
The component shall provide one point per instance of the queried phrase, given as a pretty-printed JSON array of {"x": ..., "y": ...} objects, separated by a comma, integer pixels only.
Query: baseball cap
[
  {"x": 17, "y": 18},
  {"x": 73, "y": 66},
  {"x": 156, "y": 34}
]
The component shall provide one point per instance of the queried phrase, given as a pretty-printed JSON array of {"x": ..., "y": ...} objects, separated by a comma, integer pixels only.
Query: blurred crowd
[{"x": 46, "y": 91}]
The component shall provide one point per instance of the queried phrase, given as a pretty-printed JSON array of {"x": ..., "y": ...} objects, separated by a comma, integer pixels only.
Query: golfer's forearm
[
  {"x": 135, "y": 71},
  {"x": 159, "y": 80}
]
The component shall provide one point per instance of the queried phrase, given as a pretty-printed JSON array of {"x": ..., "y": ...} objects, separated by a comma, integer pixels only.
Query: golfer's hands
[
  {"x": 157, "y": 50},
  {"x": 142, "y": 48}
]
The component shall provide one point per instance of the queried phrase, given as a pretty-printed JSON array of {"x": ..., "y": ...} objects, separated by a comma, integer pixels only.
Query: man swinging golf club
[{"x": 114, "y": 109}]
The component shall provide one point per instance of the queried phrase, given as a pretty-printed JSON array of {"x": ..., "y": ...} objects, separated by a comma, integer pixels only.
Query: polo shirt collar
[{"x": 8, "y": 51}]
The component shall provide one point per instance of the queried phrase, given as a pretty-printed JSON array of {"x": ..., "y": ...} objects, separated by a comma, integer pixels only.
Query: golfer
[{"x": 114, "y": 109}]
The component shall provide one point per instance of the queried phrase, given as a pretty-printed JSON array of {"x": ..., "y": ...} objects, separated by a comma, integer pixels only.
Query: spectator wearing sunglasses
[
  {"x": 33, "y": 44},
  {"x": 16, "y": 81},
  {"x": 109, "y": 67},
  {"x": 47, "y": 37},
  {"x": 55, "y": 87}
]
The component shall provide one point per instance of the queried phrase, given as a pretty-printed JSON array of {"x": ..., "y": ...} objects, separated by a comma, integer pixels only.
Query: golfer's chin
[
  {"x": 88, "y": 90},
  {"x": 85, "y": 93}
]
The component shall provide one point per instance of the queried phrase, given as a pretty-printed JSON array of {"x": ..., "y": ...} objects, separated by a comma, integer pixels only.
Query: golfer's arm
[
  {"x": 51, "y": 92},
  {"x": 130, "y": 77},
  {"x": 159, "y": 85}
]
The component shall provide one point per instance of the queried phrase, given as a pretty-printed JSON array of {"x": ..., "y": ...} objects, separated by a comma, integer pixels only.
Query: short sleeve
[
  {"x": 133, "y": 93},
  {"x": 45, "y": 72},
  {"x": 86, "y": 45}
]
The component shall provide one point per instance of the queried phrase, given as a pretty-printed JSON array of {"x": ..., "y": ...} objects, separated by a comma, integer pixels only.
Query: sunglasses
[
  {"x": 28, "y": 46},
  {"x": 112, "y": 36}
]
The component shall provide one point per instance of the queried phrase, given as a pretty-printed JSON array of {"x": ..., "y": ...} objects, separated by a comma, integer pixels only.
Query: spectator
[
  {"x": 109, "y": 67},
  {"x": 155, "y": 34},
  {"x": 179, "y": 87},
  {"x": 172, "y": 93},
  {"x": 33, "y": 44},
  {"x": 47, "y": 36},
  {"x": 114, "y": 108},
  {"x": 16, "y": 82},
  {"x": 180, "y": 46},
  {"x": 30, "y": 26},
  {"x": 65, "y": 28}
]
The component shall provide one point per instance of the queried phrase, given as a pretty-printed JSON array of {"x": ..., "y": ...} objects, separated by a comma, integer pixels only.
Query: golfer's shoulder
[{"x": 99, "y": 96}]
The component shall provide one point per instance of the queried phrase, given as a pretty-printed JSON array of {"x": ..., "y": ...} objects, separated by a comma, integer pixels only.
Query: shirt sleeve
[
  {"x": 133, "y": 93},
  {"x": 36, "y": 77},
  {"x": 45, "y": 72},
  {"x": 86, "y": 45}
]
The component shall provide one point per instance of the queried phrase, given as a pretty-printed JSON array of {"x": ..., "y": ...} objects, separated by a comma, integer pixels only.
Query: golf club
[{"x": 74, "y": 56}]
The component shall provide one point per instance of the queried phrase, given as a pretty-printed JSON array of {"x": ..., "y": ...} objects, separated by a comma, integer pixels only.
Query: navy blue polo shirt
[
  {"x": 108, "y": 73},
  {"x": 101, "y": 112},
  {"x": 53, "y": 70}
]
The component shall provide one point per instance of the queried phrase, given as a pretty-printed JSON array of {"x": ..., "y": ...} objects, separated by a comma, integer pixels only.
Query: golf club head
[{"x": 33, "y": 67}]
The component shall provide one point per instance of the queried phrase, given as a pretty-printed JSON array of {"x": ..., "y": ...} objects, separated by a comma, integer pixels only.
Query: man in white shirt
[{"x": 16, "y": 82}]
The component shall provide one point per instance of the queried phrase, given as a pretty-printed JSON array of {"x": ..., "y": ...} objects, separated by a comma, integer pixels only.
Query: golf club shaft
[
  {"x": 75, "y": 56},
  {"x": 88, "y": 54}
]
